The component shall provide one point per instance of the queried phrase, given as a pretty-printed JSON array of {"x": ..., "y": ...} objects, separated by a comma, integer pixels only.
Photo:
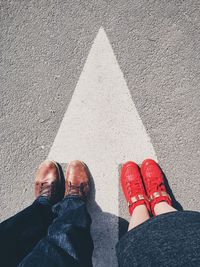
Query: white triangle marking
[{"x": 102, "y": 127}]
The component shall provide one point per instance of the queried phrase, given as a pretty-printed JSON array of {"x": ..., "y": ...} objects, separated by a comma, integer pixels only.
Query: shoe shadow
[
  {"x": 175, "y": 203},
  {"x": 106, "y": 229},
  {"x": 62, "y": 187}
]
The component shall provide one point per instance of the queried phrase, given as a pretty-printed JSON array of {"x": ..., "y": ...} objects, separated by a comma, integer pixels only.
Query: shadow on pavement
[
  {"x": 62, "y": 181},
  {"x": 106, "y": 230},
  {"x": 175, "y": 203}
]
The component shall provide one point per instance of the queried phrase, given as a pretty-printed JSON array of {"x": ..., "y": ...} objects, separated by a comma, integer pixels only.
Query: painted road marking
[{"x": 102, "y": 127}]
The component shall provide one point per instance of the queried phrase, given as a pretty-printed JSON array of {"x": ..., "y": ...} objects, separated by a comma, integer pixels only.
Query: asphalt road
[{"x": 44, "y": 46}]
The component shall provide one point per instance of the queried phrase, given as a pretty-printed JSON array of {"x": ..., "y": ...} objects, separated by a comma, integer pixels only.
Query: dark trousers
[{"x": 44, "y": 236}]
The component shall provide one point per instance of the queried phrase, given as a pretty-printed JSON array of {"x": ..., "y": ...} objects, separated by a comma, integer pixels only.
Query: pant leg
[
  {"x": 68, "y": 242},
  {"x": 20, "y": 233}
]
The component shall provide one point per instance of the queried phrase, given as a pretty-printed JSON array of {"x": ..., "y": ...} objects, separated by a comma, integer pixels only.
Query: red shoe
[
  {"x": 154, "y": 182},
  {"x": 133, "y": 187}
]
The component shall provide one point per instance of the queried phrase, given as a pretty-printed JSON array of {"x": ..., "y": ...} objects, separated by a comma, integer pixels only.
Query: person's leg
[
  {"x": 163, "y": 207},
  {"x": 20, "y": 233},
  {"x": 139, "y": 215},
  {"x": 68, "y": 242},
  {"x": 132, "y": 186}
]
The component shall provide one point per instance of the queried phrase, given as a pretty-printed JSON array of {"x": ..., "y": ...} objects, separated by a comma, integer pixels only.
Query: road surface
[{"x": 103, "y": 82}]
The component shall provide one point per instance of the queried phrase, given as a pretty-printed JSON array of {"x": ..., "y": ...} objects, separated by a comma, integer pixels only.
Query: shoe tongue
[
  {"x": 74, "y": 189},
  {"x": 157, "y": 186},
  {"x": 49, "y": 178}
]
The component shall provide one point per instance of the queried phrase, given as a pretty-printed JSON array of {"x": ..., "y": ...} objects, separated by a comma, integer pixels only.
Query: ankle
[
  {"x": 139, "y": 215},
  {"x": 139, "y": 205},
  {"x": 162, "y": 207},
  {"x": 141, "y": 208}
]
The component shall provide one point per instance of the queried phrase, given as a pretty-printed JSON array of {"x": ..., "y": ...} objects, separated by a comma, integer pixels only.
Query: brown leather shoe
[
  {"x": 48, "y": 181},
  {"x": 77, "y": 179}
]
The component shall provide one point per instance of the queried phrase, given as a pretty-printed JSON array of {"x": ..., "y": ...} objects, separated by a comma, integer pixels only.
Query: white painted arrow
[{"x": 102, "y": 127}]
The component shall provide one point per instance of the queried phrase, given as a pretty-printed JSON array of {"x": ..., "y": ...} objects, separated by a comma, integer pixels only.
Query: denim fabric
[
  {"x": 68, "y": 241},
  {"x": 20, "y": 233},
  {"x": 171, "y": 239}
]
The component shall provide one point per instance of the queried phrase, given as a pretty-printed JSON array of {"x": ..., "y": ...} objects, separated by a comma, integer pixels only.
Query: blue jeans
[{"x": 44, "y": 236}]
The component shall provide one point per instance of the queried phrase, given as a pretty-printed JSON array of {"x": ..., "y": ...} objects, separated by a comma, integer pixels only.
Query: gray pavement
[{"x": 44, "y": 45}]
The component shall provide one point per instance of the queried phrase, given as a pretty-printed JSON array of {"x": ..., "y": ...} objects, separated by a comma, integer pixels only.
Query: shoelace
[
  {"x": 47, "y": 189},
  {"x": 135, "y": 187},
  {"x": 154, "y": 186},
  {"x": 75, "y": 189}
]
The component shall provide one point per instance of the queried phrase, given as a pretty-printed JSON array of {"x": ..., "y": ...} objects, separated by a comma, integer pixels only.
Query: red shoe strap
[
  {"x": 136, "y": 201},
  {"x": 158, "y": 197}
]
